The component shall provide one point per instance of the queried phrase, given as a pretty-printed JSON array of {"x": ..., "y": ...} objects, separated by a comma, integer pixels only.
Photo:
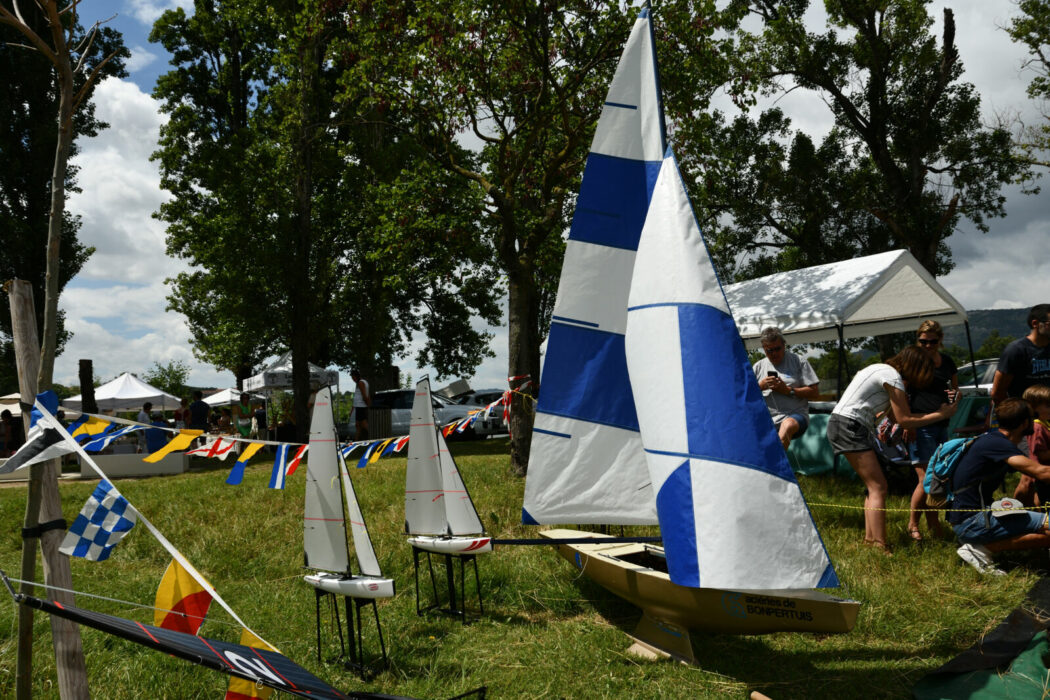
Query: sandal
[{"x": 914, "y": 533}]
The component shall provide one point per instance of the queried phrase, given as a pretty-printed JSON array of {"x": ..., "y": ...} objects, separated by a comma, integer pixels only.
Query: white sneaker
[{"x": 978, "y": 556}]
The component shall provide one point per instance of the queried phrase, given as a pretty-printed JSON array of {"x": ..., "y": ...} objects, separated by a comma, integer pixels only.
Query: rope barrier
[{"x": 908, "y": 510}]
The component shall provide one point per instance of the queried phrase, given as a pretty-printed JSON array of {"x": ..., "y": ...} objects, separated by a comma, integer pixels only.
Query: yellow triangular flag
[
  {"x": 379, "y": 451},
  {"x": 92, "y": 426},
  {"x": 178, "y": 443}
]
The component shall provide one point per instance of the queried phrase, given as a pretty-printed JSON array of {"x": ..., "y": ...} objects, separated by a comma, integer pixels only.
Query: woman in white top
[{"x": 851, "y": 428}]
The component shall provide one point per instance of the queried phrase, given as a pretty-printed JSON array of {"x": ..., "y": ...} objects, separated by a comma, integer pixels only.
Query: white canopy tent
[
  {"x": 279, "y": 376},
  {"x": 873, "y": 295},
  {"x": 10, "y": 403},
  {"x": 227, "y": 397},
  {"x": 127, "y": 393}
]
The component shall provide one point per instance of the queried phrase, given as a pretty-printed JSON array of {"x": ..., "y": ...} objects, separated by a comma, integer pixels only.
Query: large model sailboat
[
  {"x": 649, "y": 411},
  {"x": 439, "y": 515}
]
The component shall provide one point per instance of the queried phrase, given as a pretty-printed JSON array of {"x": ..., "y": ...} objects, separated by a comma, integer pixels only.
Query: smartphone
[{"x": 772, "y": 374}]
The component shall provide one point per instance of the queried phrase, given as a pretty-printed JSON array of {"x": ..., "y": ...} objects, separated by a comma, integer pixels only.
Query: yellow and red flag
[
  {"x": 181, "y": 602},
  {"x": 240, "y": 689}
]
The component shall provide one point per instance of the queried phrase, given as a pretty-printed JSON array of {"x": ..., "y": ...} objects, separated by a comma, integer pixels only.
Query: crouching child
[{"x": 983, "y": 531}]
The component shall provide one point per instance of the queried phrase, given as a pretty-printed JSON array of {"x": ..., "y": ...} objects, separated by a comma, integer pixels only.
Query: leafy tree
[
  {"x": 309, "y": 226},
  {"x": 170, "y": 377},
  {"x": 1032, "y": 28},
  {"x": 906, "y": 160},
  {"x": 993, "y": 346},
  {"x": 29, "y": 107}
]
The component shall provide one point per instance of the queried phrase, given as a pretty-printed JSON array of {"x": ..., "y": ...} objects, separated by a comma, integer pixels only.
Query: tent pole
[
  {"x": 969, "y": 344},
  {"x": 843, "y": 362}
]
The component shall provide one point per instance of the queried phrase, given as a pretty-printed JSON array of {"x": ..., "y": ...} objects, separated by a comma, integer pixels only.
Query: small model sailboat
[
  {"x": 325, "y": 542},
  {"x": 328, "y": 491},
  {"x": 649, "y": 411},
  {"x": 439, "y": 515}
]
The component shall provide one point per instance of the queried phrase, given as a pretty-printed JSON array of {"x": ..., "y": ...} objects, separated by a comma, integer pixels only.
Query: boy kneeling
[{"x": 984, "y": 532}]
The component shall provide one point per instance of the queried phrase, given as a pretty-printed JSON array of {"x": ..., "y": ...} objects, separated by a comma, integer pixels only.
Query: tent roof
[
  {"x": 279, "y": 376},
  {"x": 127, "y": 393},
  {"x": 872, "y": 295},
  {"x": 229, "y": 396},
  {"x": 10, "y": 402}
]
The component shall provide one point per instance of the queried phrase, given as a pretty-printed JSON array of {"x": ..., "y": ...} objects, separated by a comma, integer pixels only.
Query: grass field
[{"x": 546, "y": 633}]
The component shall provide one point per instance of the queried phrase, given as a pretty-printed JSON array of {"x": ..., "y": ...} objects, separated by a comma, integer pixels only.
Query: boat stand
[
  {"x": 459, "y": 610},
  {"x": 354, "y": 660}
]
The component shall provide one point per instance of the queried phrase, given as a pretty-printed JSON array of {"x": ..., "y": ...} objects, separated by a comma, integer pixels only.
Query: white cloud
[
  {"x": 140, "y": 58},
  {"x": 147, "y": 11}
]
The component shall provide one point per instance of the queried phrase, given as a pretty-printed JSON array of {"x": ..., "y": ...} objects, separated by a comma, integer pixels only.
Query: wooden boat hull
[
  {"x": 451, "y": 545},
  {"x": 670, "y": 611},
  {"x": 352, "y": 586}
]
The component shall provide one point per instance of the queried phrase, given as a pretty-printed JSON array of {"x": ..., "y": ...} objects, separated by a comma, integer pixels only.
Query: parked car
[
  {"x": 492, "y": 424},
  {"x": 983, "y": 371},
  {"x": 399, "y": 401}
]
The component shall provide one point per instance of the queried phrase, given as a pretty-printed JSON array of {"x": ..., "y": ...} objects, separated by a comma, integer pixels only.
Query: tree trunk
[
  {"x": 43, "y": 505},
  {"x": 56, "y": 217},
  {"x": 87, "y": 388},
  {"x": 523, "y": 366}
]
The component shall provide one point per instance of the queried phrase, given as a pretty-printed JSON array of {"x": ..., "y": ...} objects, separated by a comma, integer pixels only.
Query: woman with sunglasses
[
  {"x": 923, "y": 441},
  {"x": 874, "y": 390}
]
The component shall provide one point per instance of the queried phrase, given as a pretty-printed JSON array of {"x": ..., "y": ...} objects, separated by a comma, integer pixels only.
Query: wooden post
[
  {"x": 87, "y": 388},
  {"x": 43, "y": 505}
]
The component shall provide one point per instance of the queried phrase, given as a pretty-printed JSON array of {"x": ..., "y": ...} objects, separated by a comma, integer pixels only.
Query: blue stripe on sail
[
  {"x": 551, "y": 432},
  {"x": 721, "y": 421},
  {"x": 829, "y": 579},
  {"x": 576, "y": 321},
  {"x": 674, "y": 507},
  {"x": 613, "y": 200},
  {"x": 527, "y": 519},
  {"x": 622, "y": 106},
  {"x": 587, "y": 378}
]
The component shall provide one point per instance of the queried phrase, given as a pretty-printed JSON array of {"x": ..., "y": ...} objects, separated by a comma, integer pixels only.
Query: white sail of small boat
[
  {"x": 328, "y": 491},
  {"x": 439, "y": 514},
  {"x": 649, "y": 411}
]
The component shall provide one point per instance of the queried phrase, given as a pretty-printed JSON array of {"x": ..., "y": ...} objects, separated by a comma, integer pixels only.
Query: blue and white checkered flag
[{"x": 102, "y": 523}]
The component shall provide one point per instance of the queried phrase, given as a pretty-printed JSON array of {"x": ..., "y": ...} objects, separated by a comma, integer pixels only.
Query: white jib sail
[
  {"x": 731, "y": 512},
  {"x": 366, "y": 554},
  {"x": 460, "y": 513},
  {"x": 424, "y": 492},
  {"x": 586, "y": 463},
  {"x": 324, "y": 530}
]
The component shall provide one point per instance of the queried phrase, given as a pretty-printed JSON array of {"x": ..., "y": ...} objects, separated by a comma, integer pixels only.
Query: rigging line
[{"x": 128, "y": 603}]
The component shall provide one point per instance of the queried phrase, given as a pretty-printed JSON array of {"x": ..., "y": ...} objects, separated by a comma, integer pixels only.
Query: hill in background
[{"x": 1008, "y": 322}]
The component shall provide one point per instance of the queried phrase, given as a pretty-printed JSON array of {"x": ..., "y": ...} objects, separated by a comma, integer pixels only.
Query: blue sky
[{"x": 116, "y": 305}]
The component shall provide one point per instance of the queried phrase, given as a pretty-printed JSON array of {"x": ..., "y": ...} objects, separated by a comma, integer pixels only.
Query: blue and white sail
[
  {"x": 730, "y": 509},
  {"x": 586, "y": 464}
]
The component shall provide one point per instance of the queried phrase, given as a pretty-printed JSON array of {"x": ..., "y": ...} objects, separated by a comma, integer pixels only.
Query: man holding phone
[{"x": 788, "y": 384}]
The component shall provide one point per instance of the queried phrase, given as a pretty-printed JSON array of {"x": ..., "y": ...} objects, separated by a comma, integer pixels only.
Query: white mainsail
[
  {"x": 424, "y": 515},
  {"x": 324, "y": 534},
  {"x": 731, "y": 511},
  {"x": 436, "y": 499},
  {"x": 586, "y": 463}
]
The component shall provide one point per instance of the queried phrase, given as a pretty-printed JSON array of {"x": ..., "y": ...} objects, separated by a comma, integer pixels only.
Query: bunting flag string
[
  {"x": 101, "y": 442},
  {"x": 115, "y": 514}
]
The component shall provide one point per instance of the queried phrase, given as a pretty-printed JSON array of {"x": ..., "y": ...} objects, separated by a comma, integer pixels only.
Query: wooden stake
[{"x": 43, "y": 504}]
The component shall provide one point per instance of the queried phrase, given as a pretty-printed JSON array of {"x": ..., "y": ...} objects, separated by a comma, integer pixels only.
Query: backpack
[{"x": 940, "y": 469}]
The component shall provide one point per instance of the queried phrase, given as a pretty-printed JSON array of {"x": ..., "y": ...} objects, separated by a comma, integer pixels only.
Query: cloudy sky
[{"x": 116, "y": 305}]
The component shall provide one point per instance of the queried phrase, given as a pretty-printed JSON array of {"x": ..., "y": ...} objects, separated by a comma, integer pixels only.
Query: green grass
[{"x": 545, "y": 633}]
